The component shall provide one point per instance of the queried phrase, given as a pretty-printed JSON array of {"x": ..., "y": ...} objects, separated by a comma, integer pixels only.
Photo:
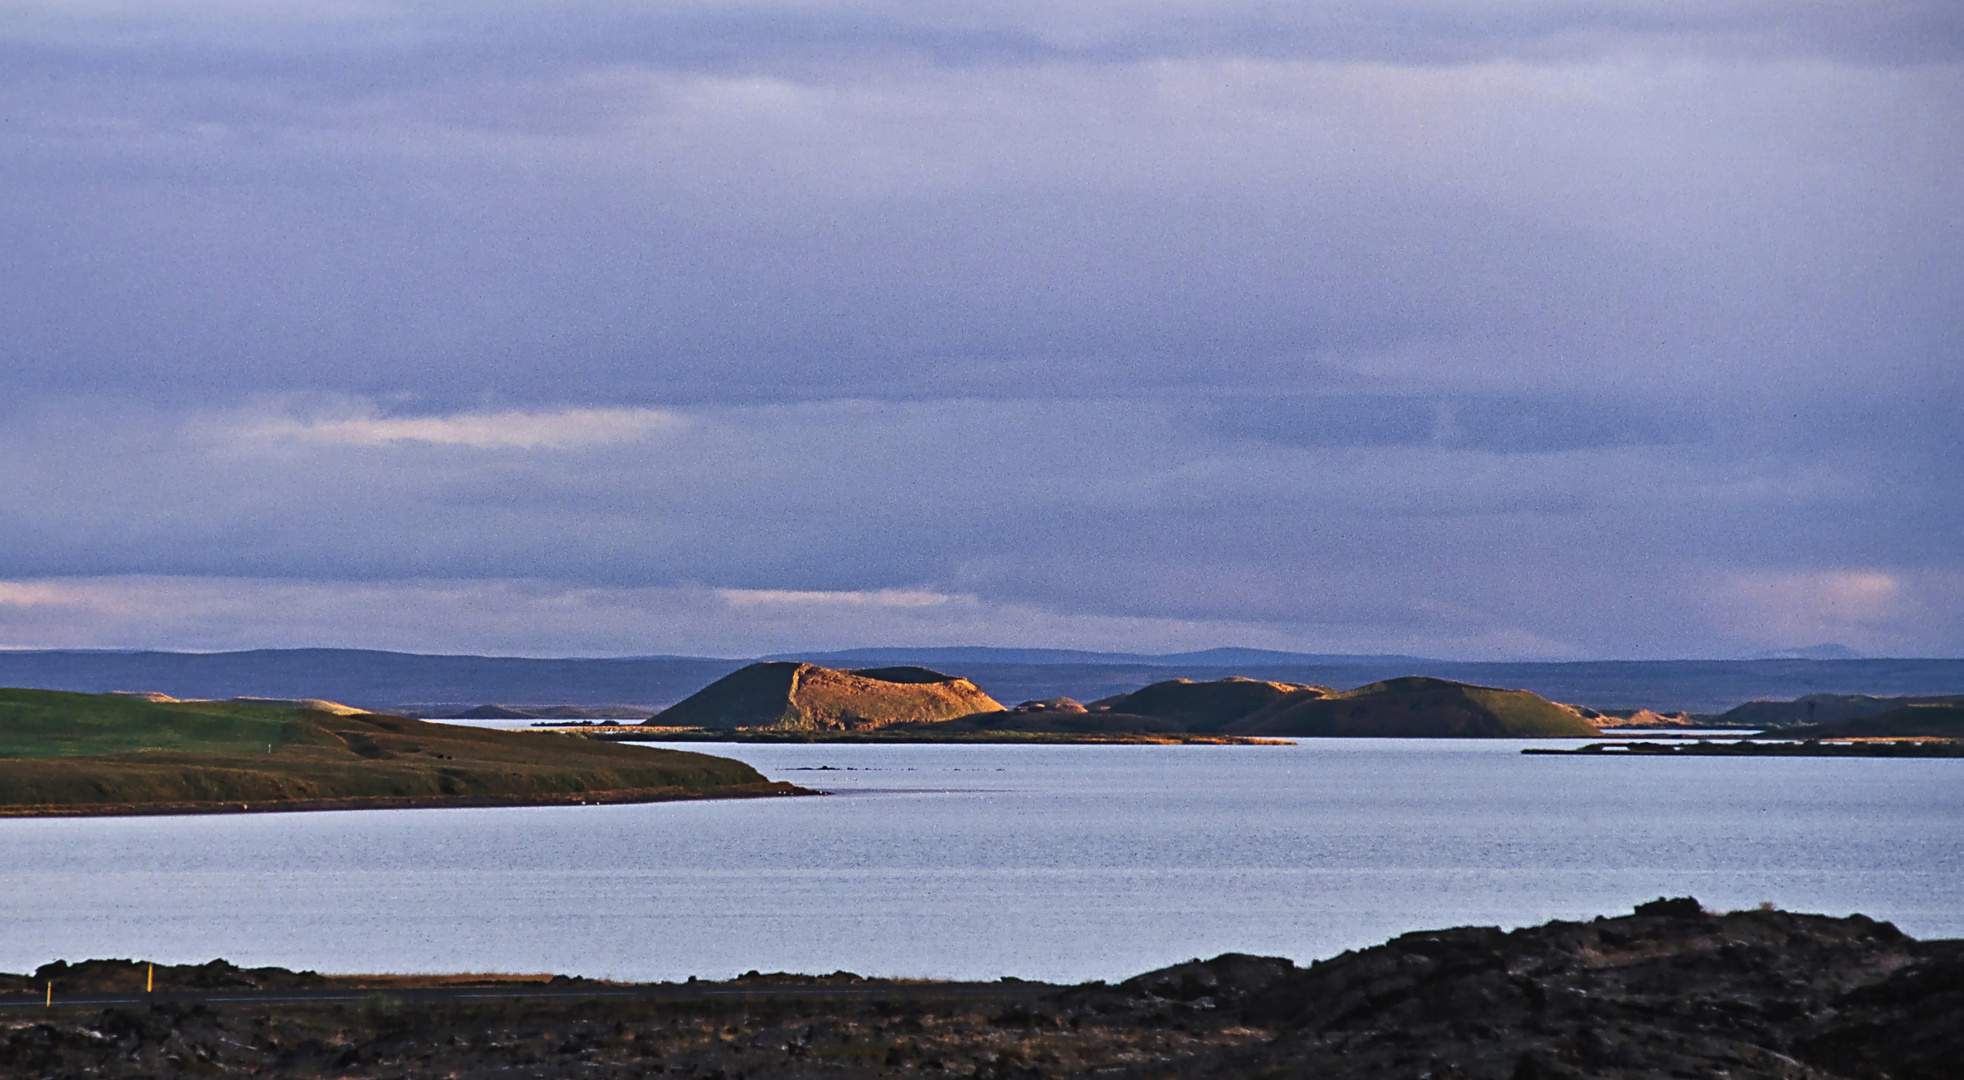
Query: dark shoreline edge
[
  {"x": 1668, "y": 990},
  {"x": 1011, "y": 738},
  {"x": 769, "y": 790},
  {"x": 1901, "y": 748}
]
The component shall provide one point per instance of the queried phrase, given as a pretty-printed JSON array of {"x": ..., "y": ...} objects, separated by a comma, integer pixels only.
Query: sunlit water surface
[{"x": 1047, "y": 862}]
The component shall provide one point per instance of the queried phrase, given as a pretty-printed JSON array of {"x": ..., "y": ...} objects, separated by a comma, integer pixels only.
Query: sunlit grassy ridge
[
  {"x": 1939, "y": 720},
  {"x": 108, "y": 753},
  {"x": 54, "y": 724},
  {"x": 1416, "y": 707},
  {"x": 1207, "y": 706}
]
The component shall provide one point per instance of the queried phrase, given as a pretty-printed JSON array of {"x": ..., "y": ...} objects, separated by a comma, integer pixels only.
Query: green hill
[
  {"x": 1941, "y": 721},
  {"x": 94, "y": 753},
  {"x": 1206, "y": 706},
  {"x": 1416, "y": 707},
  {"x": 53, "y": 724},
  {"x": 785, "y": 696},
  {"x": 1816, "y": 709}
]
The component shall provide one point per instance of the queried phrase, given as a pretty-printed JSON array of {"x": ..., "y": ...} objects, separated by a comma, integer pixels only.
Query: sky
[{"x": 1474, "y": 329}]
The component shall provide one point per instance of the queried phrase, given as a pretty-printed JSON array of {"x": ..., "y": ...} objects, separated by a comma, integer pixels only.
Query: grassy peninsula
[{"x": 75, "y": 754}]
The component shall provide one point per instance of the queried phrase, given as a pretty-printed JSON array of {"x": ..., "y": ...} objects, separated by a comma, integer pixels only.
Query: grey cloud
[
  {"x": 1353, "y": 420},
  {"x": 886, "y": 229},
  {"x": 983, "y": 293},
  {"x": 418, "y": 43},
  {"x": 1598, "y": 550},
  {"x": 1529, "y": 425},
  {"x": 1501, "y": 424}
]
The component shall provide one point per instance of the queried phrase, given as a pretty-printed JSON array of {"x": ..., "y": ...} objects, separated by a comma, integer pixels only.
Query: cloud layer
[{"x": 1471, "y": 328}]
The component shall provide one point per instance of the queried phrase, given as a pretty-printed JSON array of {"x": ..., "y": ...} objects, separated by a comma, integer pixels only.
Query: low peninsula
[
  {"x": 1917, "y": 730},
  {"x": 66, "y": 754},
  {"x": 1670, "y": 990},
  {"x": 1875, "y": 748}
]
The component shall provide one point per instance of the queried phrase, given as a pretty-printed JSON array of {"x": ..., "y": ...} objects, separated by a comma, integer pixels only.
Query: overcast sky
[{"x": 1465, "y": 328}]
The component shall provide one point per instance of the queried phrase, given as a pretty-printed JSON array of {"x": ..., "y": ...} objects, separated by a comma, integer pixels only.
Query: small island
[
  {"x": 795, "y": 702},
  {"x": 1932, "y": 729},
  {"x": 1875, "y": 748},
  {"x": 67, "y": 754}
]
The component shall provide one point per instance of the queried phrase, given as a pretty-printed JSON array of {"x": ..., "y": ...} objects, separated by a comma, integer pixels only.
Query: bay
[{"x": 1044, "y": 862}]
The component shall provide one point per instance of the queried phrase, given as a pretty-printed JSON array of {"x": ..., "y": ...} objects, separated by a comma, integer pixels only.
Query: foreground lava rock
[
  {"x": 1671, "y": 991},
  {"x": 1668, "y": 992}
]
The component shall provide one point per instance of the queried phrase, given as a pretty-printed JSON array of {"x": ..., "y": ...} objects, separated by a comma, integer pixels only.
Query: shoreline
[
  {"x": 1922, "y": 748},
  {"x": 1047, "y": 738},
  {"x": 768, "y": 790}
]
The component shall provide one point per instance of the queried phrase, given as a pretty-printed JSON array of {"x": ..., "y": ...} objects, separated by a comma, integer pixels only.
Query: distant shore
[
  {"x": 767, "y": 790},
  {"x": 1048, "y": 738},
  {"x": 1878, "y": 748}
]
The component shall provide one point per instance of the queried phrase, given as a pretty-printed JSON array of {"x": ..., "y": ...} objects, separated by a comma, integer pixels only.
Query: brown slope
[
  {"x": 1417, "y": 707},
  {"x": 805, "y": 697}
]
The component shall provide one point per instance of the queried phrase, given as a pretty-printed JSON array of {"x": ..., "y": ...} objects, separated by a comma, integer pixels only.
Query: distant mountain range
[{"x": 431, "y": 685}]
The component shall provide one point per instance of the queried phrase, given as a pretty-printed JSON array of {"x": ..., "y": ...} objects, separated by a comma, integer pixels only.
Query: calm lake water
[{"x": 1062, "y": 863}]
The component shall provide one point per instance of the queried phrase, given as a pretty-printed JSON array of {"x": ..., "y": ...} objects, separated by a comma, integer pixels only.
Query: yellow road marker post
[
  {"x": 150, "y": 980},
  {"x": 51, "y": 996}
]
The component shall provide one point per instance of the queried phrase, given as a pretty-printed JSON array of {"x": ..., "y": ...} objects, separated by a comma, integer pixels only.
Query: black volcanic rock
[{"x": 1671, "y": 991}]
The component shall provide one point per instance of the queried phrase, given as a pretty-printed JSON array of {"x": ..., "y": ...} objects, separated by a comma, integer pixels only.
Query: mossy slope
[
  {"x": 1207, "y": 706},
  {"x": 785, "y": 696},
  {"x": 55, "y": 724},
  {"x": 1822, "y": 709},
  {"x": 1416, "y": 707},
  {"x": 1940, "y": 721}
]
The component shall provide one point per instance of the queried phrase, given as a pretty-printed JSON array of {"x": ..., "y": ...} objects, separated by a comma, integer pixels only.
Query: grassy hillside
[
  {"x": 1821, "y": 709},
  {"x": 1417, "y": 707},
  {"x": 88, "y": 753},
  {"x": 51, "y": 724},
  {"x": 1941, "y": 721},
  {"x": 778, "y": 695},
  {"x": 1206, "y": 706}
]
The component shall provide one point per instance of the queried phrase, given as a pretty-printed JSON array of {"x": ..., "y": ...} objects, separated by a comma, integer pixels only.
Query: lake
[{"x": 1044, "y": 862}]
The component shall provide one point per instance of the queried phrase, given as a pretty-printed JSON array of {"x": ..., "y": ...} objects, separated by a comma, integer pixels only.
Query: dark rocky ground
[{"x": 1668, "y": 992}]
